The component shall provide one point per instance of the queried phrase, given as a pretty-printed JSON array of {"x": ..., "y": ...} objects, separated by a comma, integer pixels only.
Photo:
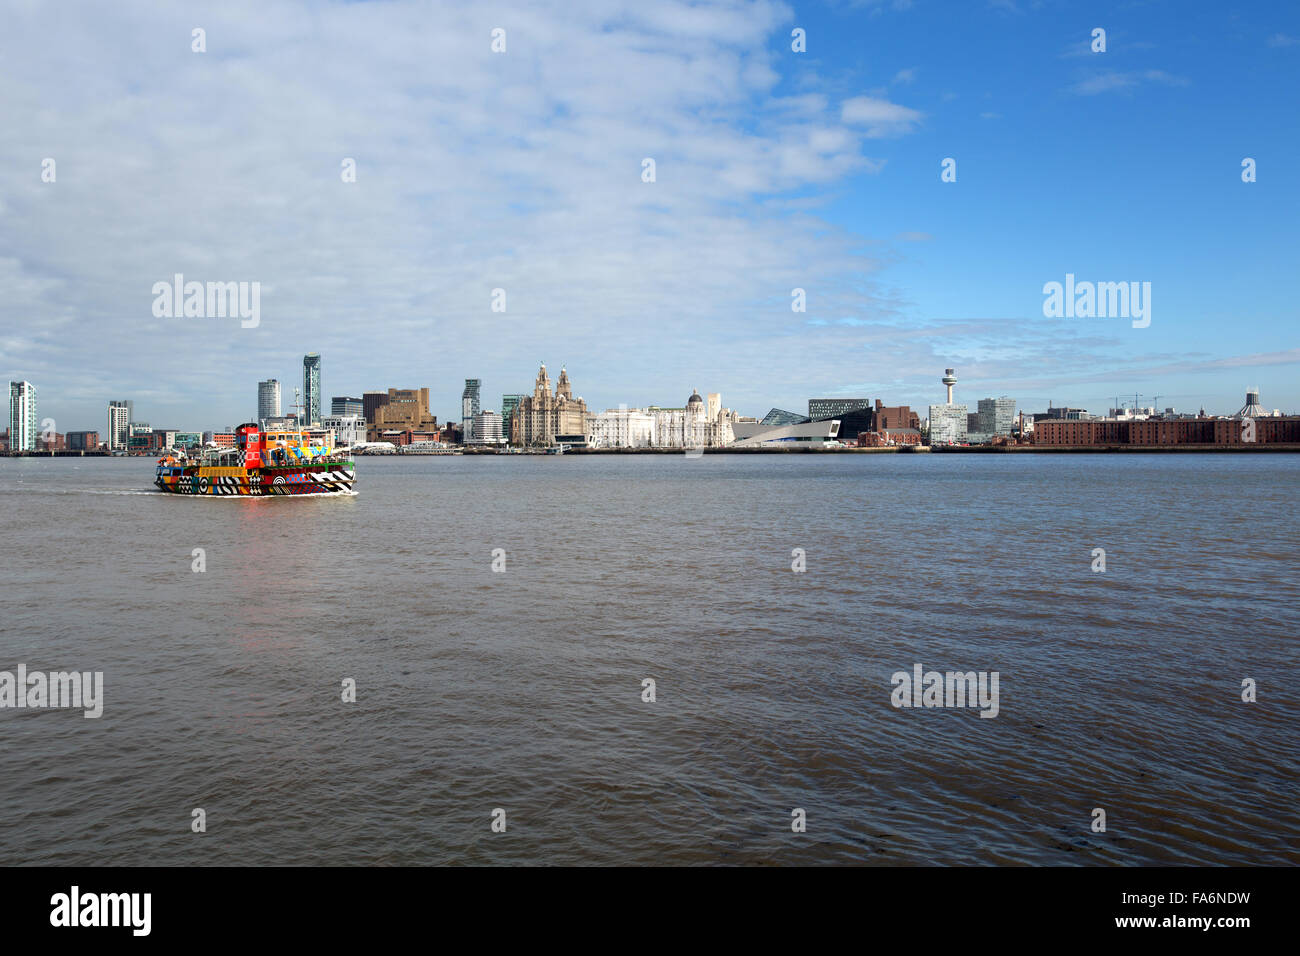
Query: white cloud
[
  {"x": 475, "y": 171},
  {"x": 880, "y": 117},
  {"x": 1111, "y": 81}
]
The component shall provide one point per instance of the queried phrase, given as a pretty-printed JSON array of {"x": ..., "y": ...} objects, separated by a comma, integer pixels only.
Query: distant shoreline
[{"x": 892, "y": 450}]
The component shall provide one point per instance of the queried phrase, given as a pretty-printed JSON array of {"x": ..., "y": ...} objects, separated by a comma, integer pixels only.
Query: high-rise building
[
  {"x": 344, "y": 406},
  {"x": 311, "y": 394},
  {"x": 119, "y": 425},
  {"x": 486, "y": 429},
  {"x": 834, "y": 407},
  {"x": 469, "y": 406},
  {"x": 405, "y": 409},
  {"x": 371, "y": 402},
  {"x": 22, "y": 416},
  {"x": 948, "y": 422},
  {"x": 268, "y": 399},
  {"x": 997, "y": 416},
  {"x": 508, "y": 405}
]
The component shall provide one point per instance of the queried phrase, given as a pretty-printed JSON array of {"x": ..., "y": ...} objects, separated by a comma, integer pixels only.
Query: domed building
[
  {"x": 699, "y": 423},
  {"x": 696, "y": 425}
]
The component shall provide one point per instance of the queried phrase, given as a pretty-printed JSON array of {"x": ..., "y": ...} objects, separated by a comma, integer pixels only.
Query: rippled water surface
[{"x": 522, "y": 690}]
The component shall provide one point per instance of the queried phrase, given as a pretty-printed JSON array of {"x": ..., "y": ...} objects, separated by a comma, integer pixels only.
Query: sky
[{"x": 524, "y": 171}]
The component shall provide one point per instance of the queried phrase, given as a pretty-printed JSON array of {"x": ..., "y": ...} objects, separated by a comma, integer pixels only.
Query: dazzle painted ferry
[{"x": 278, "y": 462}]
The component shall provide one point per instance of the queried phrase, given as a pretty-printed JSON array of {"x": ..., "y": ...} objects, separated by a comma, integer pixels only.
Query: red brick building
[
  {"x": 1181, "y": 431},
  {"x": 895, "y": 416},
  {"x": 889, "y": 436}
]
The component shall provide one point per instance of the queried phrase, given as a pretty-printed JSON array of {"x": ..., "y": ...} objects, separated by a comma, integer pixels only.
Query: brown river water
[{"x": 522, "y": 689}]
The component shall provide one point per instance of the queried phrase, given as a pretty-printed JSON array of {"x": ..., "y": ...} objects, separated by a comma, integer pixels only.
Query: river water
[{"x": 522, "y": 689}]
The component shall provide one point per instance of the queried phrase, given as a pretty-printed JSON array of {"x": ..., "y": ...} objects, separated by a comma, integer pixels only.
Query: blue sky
[{"x": 774, "y": 170}]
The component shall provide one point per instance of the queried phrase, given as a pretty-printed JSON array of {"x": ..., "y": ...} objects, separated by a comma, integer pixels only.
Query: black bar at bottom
[{"x": 367, "y": 905}]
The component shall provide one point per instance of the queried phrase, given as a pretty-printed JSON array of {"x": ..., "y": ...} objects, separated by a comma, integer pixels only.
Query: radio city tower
[{"x": 949, "y": 379}]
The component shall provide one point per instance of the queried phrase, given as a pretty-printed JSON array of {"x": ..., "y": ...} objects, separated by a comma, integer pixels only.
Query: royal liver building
[{"x": 546, "y": 419}]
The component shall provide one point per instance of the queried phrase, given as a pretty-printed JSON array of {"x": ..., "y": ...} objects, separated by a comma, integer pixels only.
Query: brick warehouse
[{"x": 1185, "y": 431}]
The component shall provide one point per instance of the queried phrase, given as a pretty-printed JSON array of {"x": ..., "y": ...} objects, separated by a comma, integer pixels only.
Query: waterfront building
[
  {"x": 779, "y": 416},
  {"x": 311, "y": 394},
  {"x": 370, "y": 404},
  {"x": 508, "y": 405},
  {"x": 947, "y": 424},
  {"x": 623, "y": 427},
  {"x": 83, "y": 441},
  {"x": 546, "y": 419},
  {"x": 23, "y": 429},
  {"x": 895, "y": 416},
  {"x": 691, "y": 427},
  {"x": 885, "y": 437},
  {"x": 404, "y": 409},
  {"x": 138, "y": 428},
  {"x": 486, "y": 429},
  {"x": 268, "y": 399},
  {"x": 398, "y": 439},
  {"x": 348, "y": 429},
  {"x": 119, "y": 425},
  {"x": 997, "y": 416},
  {"x": 752, "y": 434},
  {"x": 224, "y": 439},
  {"x": 469, "y": 406},
  {"x": 835, "y": 407},
  {"x": 343, "y": 405},
  {"x": 1159, "y": 431}
]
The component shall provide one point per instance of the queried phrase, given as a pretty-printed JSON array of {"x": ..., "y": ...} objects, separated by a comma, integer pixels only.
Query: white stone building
[{"x": 348, "y": 430}]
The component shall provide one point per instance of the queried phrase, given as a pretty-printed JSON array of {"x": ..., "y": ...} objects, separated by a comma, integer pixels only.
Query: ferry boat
[{"x": 261, "y": 464}]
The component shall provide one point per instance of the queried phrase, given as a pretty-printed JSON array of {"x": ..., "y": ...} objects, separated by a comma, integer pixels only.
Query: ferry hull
[{"x": 326, "y": 478}]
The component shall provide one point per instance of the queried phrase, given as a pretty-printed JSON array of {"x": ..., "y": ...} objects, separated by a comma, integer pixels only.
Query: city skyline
[
  {"x": 1227, "y": 407},
  {"x": 476, "y": 253}
]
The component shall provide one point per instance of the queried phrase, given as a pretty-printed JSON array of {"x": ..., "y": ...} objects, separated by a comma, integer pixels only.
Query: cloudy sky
[{"x": 523, "y": 171}]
